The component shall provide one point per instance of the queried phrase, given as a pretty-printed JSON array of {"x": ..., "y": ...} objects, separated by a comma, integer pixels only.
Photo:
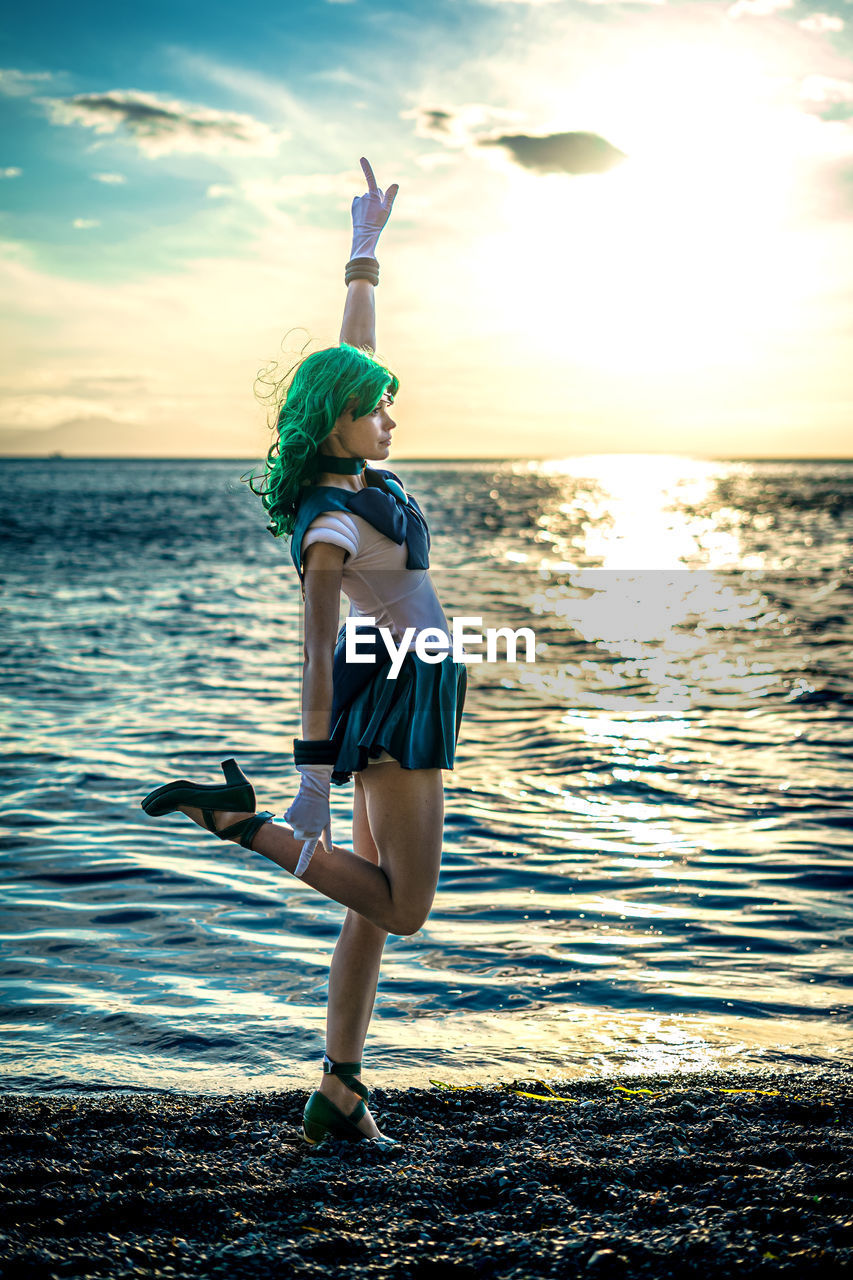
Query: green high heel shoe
[
  {"x": 236, "y": 796},
  {"x": 321, "y": 1118}
]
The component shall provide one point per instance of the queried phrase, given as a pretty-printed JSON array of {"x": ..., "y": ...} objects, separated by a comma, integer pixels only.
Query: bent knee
[{"x": 407, "y": 920}]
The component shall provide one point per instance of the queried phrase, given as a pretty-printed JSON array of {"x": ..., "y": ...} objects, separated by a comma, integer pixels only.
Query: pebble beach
[{"x": 714, "y": 1174}]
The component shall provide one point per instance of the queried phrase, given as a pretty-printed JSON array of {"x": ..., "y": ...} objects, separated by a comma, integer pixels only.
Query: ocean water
[{"x": 648, "y": 840}]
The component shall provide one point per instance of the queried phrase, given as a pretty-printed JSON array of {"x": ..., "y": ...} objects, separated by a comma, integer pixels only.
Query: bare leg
[
  {"x": 405, "y": 809},
  {"x": 353, "y": 977},
  {"x": 388, "y": 886}
]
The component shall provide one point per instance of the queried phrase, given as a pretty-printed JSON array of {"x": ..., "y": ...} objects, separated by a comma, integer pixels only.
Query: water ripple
[{"x": 648, "y": 835}]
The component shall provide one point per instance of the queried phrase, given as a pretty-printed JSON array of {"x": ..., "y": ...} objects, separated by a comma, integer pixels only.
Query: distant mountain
[{"x": 103, "y": 438}]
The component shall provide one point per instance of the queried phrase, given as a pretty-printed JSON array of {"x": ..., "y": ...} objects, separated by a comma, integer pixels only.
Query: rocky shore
[{"x": 711, "y": 1175}]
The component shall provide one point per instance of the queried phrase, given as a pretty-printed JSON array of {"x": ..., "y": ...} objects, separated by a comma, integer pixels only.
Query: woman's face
[{"x": 365, "y": 437}]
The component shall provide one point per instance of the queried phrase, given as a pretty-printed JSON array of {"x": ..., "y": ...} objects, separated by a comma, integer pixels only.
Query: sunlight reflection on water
[{"x": 648, "y": 830}]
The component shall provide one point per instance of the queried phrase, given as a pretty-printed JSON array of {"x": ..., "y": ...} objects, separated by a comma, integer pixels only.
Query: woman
[{"x": 354, "y": 528}]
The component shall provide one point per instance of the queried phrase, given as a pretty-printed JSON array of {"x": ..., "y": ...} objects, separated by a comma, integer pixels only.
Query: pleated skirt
[{"x": 414, "y": 718}]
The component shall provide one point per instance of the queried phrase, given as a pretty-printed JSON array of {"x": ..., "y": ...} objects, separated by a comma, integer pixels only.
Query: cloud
[
  {"x": 85, "y": 224},
  {"x": 40, "y": 412},
  {"x": 110, "y": 179},
  {"x": 161, "y": 126},
  {"x": 828, "y": 98},
  {"x": 458, "y": 126},
  {"x": 302, "y": 121},
  {"x": 22, "y": 84},
  {"x": 758, "y": 8},
  {"x": 270, "y": 193},
  {"x": 821, "y": 22},
  {"x": 95, "y": 340},
  {"x": 11, "y": 172},
  {"x": 339, "y": 75},
  {"x": 826, "y": 91},
  {"x": 435, "y": 123},
  {"x": 434, "y": 160},
  {"x": 572, "y": 153},
  {"x": 599, "y": 2},
  {"x": 536, "y": 4},
  {"x": 298, "y": 185}
]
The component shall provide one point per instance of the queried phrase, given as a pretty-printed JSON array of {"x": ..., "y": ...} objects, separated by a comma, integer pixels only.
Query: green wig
[{"x": 324, "y": 385}]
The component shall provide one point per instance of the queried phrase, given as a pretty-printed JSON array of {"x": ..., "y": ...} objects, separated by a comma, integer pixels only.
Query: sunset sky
[{"x": 621, "y": 227}]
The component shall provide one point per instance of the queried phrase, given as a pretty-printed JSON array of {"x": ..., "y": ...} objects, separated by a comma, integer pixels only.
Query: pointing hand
[{"x": 370, "y": 212}]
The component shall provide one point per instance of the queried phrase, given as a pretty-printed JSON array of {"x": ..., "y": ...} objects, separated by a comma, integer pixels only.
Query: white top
[{"x": 376, "y": 580}]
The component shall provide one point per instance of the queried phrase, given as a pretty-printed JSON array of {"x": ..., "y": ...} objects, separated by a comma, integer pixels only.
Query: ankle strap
[{"x": 340, "y": 1068}]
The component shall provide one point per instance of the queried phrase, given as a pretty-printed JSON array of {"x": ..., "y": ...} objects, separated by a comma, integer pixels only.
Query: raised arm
[
  {"x": 358, "y": 328},
  {"x": 370, "y": 212}
]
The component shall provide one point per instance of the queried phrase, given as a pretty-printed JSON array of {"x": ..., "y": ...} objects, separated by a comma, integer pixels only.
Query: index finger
[
  {"x": 368, "y": 173},
  {"x": 306, "y": 855}
]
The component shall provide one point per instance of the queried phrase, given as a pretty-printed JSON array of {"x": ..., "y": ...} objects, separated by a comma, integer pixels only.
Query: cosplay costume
[{"x": 414, "y": 718}]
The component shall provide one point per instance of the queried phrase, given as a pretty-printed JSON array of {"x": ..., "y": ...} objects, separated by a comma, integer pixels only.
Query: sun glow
[{"x": 684, "y": 257}]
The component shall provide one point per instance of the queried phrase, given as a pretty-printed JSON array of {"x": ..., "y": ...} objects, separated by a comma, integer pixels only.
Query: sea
[{"x": 649, "y": 828}]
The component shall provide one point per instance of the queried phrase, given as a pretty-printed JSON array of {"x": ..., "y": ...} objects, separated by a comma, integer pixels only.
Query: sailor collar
[{"x": 383, "y": 503}]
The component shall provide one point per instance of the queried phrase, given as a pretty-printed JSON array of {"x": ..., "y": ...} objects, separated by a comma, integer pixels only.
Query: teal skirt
[{"x": 415, "y": 718}]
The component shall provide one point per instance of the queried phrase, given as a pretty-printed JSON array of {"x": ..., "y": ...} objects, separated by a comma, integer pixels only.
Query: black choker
[{"x": 341, "y": 466}]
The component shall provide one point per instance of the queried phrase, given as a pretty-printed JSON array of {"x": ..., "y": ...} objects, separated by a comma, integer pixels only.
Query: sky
[{"x": 621, "y": 226}]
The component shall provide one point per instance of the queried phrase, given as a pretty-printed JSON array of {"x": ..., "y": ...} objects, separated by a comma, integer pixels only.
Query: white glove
[
  {"x": 370, "y": 212},
  {"x": 309, "y": 814}
]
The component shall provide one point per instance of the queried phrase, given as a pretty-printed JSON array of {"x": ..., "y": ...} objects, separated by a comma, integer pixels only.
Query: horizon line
[{"x": 58, "y": 456}]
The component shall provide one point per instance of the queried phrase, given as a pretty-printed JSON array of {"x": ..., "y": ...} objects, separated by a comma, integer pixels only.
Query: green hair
[{"x": 323, "y": 386}]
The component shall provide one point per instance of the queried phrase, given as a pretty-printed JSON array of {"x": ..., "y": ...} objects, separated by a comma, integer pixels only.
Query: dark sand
[{"x": 694, "y": 1181}]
